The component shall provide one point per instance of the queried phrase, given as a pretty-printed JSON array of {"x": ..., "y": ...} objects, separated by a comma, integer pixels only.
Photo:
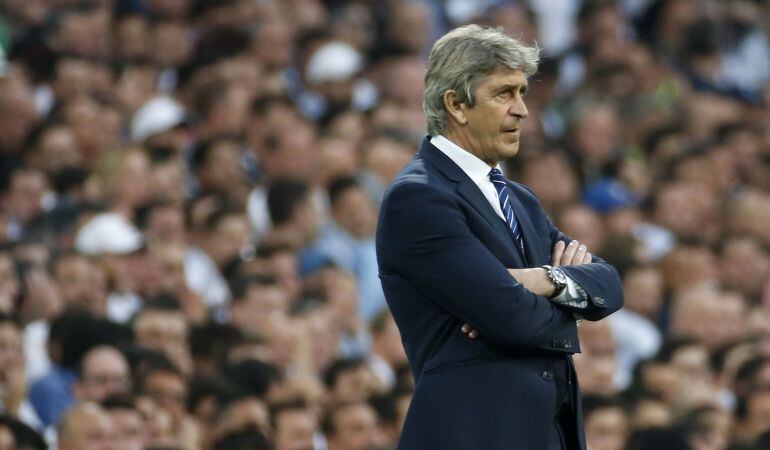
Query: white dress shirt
[{"x": 476, "y": 169}]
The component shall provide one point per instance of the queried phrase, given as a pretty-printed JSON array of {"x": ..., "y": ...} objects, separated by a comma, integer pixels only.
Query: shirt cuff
[{"x": 573, "y": 295}]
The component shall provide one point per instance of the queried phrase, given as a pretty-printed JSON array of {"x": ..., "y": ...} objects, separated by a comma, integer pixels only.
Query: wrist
[
  {"x": 556, "y": 278},
  {"x": 541, "y": 283}
]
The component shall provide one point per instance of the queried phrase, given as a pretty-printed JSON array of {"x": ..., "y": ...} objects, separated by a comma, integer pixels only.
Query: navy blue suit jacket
[{"x": 443, "y": 255}]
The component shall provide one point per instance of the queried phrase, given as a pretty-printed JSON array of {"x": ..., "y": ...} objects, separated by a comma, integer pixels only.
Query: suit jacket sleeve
[
  {"x": 423, "y": 237},
  {"x": 599, "y": 279}
]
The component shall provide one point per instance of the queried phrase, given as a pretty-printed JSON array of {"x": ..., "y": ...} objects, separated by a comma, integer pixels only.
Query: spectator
[
  {"x": 103, "y": 372},
  {"x": 349, "y": 380},
  {"x": 161, "y": 326},
  {"x": 129, "y": 425},
  {"x": 295, "y": 426},
  {"x": 348, "y": 241},
  {"x": 387, "y": 352},
  {"x": 14, "y": 400},
  {"x": 86, "y": 427},
  {"x": 606, "y": 423},
  {"x": 351, "y": 426}
]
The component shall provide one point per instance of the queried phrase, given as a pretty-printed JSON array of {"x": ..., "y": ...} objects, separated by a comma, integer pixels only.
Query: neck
[{"x": 466, "y": 143}]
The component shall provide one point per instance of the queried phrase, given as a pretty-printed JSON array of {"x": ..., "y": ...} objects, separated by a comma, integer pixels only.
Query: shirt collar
[{"x": 476, "y": 169}]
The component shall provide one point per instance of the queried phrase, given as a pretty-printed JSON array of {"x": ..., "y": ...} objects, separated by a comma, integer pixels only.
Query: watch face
[{"x": 559, "y": 276}]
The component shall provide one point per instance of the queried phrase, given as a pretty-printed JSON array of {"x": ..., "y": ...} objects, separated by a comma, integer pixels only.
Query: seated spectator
[
  {"x": 294, "y": 424},
  {"x": 130, "y": 431},
  {"x": 13, "y": 387},
  {"x": 249, "y": 439},
  {"x": 387, "y": 352},
  {"x": 86, "y": 427},
  {"x": 349, "y": 380},
  {"x": 162, "y": 326},
  {"x": 606, "y": 423},
  {"x": 348, "y": 241},
  {"x": 103, "y": 372},
  {"x": 351, "y": 426},
  {"x": 167, "y": 388}
]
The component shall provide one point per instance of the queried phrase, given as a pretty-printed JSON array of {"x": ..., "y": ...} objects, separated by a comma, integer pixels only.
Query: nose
[{"x": 519, "y": 108}]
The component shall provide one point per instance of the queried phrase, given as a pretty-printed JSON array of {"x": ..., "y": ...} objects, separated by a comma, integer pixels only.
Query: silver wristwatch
[{"x": 558, "y": 278}]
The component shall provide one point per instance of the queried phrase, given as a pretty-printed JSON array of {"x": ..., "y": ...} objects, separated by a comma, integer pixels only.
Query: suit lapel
[
  {"x": 528, "y": 231},
  {"x": 468, "y": 190}
]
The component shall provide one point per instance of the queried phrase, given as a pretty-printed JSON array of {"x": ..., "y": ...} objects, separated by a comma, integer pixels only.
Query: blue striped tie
[{"x": 504, "y": 196}]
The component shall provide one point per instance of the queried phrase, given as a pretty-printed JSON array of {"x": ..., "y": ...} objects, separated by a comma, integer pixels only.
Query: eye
[{"x": 504, "y": 94}]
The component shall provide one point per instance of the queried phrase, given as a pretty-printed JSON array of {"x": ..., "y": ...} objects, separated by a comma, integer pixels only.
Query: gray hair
[{"x": 462, "y": 58}]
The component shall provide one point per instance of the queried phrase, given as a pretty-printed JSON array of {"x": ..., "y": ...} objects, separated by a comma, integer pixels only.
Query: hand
[{"x": 573, "y": 254}]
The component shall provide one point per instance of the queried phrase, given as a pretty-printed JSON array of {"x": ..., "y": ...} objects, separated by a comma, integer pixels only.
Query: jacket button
[
  {"x": 566, "y": 343},
  {"x": 599, "y": 301},
  {"x": 547, "y": 375}
]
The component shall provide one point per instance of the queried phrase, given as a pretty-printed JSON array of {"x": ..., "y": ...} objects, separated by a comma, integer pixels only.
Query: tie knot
[{"x": 495, "y": 174}]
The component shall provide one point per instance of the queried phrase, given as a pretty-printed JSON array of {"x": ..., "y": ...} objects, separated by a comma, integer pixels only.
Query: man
[
  {"x": 465, "y": 261},
  {"x": 348, "y": 241},
  {"x": 103, "y": 372},
  {"x": 606, "y": 422},
  {"x": 86, "y": 427},
  {"x": 295, "y": 425},
  {"x": 14, "y": 400},
  {"x": 162, "y": 326},
  {"x": 130, "y": 431},
  {"x": 351, "y": 426}
]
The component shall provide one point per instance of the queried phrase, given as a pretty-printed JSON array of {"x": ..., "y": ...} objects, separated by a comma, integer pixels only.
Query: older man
[
  {"x": 103, "y": 372},
  {"x": 484, "y": 289},
  {"x": 86, "y": 427}
]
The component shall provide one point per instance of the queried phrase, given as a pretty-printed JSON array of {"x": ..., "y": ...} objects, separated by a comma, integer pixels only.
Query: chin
[{"x": 509, "y": 151}]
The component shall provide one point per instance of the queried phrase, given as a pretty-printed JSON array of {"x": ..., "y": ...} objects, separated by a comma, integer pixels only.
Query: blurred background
[{"x": 189, "y": 194}]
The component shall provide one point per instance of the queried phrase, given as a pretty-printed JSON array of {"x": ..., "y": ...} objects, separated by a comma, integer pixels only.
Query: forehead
[{"x": 504, "y": 77}]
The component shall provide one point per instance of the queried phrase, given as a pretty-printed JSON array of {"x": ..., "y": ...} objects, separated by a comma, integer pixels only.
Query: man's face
[
  {"x": 295, "y": 429},
  {"x": 83, "y": 284},
  {"x": 494, "y": 122},
  {"x": 355, "y": 213},
  {"x": 168, "y": 390},
  {"x": 129, "y": 430},
  {"x": 354, "y": 384},
  {"x": 606, "y": 429},
  {"x": 92, "y": 430},
  {"x": 167, "y": 332},
  {"x": 11, "y": 355},
  {"x": 162, "y": 330},
  {"x": 105, "y": 372},
  {"x": 355, "y": 428}
]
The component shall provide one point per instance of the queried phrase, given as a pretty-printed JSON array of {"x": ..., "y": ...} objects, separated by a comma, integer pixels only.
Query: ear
[{"x": 454, "y": 108}]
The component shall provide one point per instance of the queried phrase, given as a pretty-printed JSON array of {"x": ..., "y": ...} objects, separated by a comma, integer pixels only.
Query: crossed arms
[{"x": 423, "y": 237}]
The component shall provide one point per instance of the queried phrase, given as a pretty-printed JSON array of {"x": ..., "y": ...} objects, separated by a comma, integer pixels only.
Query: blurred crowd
[{"x": 189, "y": 194}]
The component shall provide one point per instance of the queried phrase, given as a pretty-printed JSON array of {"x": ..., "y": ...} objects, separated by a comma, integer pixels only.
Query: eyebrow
[{"x": 507, "y": 87}]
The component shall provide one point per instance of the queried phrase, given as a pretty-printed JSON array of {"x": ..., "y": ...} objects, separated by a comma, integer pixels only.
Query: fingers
[
  {"x": 558, "y": 251},
  {"x": 569, "y": 253},
  {"x": 579, "y": 255},
  {"x": 470, "y": 332},
  {"x": 574, "y": 254}
]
